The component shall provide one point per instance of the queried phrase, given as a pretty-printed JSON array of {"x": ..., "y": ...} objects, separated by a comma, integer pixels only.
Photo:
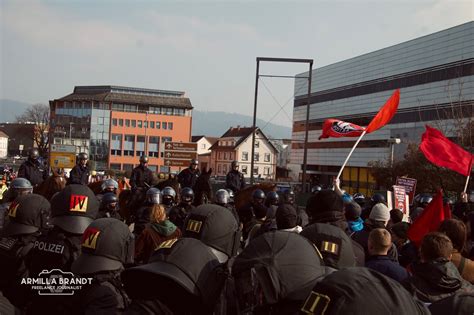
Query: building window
[
  {"x": 218, "y": 168},
  {"x": 256, "y": 157},
  {"x": 128, "y": 167},
  {"x": 139, "y": 123},
  {"x": 116, "y": 145},
  {"x": 225, "y": 155},
  {"x": 145, "y": 124},
  {"x": 116, "y": 167},
  {"x": 128, "y": 145},
  {"x": 152, "y": 168},
  {"x": 134, "y": 123},
  {"x": 203, "y": 146},
  {"x": 266, "y": 171},
  {"x": 114, "y": 122},
  {"x": 127, "y": 122},
  {"x": 164, "y": 125},
  {"x": 167, "y": 111},
  {"x": 153, "y": 146},
  {"x": 220, "y": 156},
  {"x": 120, "y": 122},
  {"x": 170, "y": 126},
  {"x": 179, "y": 112},
  {"x": 157, "y": 125},
  {"x": 152, "y": 124},
  {"x": 266, "y": 157},
  {"x": 140, "y": 146},
  {"x": 257, "y": 144},
  {"x": 224, "y": 168},
  {"x": 255, "y": 170},
  {"x": 244, "y": 169},
  {"x": 245, "y": 156}
]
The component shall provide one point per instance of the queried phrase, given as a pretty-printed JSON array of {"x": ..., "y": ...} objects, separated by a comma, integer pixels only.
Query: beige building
[
  {"x": 204, "y": 144},
  {"x": 236, "y": 144}
]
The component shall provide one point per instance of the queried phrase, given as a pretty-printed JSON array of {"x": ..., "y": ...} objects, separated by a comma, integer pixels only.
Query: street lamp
[{"x": 392, "y": 142}]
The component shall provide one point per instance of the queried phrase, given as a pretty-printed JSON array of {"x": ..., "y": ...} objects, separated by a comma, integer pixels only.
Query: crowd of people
[{"x": 341, "y": 254}]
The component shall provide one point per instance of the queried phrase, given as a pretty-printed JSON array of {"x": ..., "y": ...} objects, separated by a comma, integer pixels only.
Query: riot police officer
[
  {"x": 107, "y": 247},
  {"x": 235, "y": 179},
  {"x": 18, "y": 187},
  {"x": 32, "y": 169},
  {"x": 223, "y": 199},
  {"x": 248, "y": 211},
  {"x": 108, "y": 186},
  {"x": 178, "y": 213},
  {"x": 28, "y": 219},
  {"x": 142, "y": 176},
  {"x": 168, "y": 196},
  {"x": 188, "y": 176},
  {"x": 109, "y": 207},
  {"x": 80, "y": 172},
  {"x": 142, "y": 215}
]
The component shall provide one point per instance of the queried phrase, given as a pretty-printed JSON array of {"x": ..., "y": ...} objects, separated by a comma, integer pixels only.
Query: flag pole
[
  {"x": 467, "y": 182},
  {"x": 350, "y": 153}
]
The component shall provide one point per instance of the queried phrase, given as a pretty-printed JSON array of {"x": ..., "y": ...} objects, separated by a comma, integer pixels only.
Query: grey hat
[{"x": 380, "y": 212}]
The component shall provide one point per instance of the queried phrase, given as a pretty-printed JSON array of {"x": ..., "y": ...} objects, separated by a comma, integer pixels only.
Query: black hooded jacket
[
  {"x": 32, "y": 171},
  {"x": 436, "y": 280}
]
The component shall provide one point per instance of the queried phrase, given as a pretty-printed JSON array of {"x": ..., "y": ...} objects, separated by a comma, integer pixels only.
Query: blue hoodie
[{"x": 356, "y": 225}]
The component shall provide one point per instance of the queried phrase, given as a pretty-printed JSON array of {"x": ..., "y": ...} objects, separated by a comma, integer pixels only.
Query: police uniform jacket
[
  {"x": 188, "y": 177},
  {"x": 140, "y": 176},
  {"x": 79, "y": 175},
  {"x": 235, "y": 181},
  {"x": 32, "y": 171}
]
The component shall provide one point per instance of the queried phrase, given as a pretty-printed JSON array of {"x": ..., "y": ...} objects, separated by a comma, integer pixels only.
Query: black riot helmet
[
  {"x": 234, "y": 164},
  {"x": 143, "y": 159},
  {"x": 153, "y": 196},
  {"x": 425, "y": 199},
  {"x": 33, "y": 153},
  {"x": 27, "y": 214},
  {"x": 187, "y": 195},
  {"x": 107, "y": 245},
  {"x": 109, "y": 201},
  {"x": 378, "y": 198},
  {"x": 222, "y": 197},
  {"x": 194, "y": 162},
  {"x": 316, "y": 189},
  {"x": 258, "y": 196},
  {"x": 216, "y": 227},
  {"x": 168, "y": 194},
  {"x": 273, "y": 198},
  {"x": 19, "y": 186},
  {"x": 289, "y": 196}
]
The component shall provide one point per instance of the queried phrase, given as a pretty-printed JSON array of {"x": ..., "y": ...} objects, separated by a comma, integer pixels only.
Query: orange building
[{"x": 117, "y": 125}]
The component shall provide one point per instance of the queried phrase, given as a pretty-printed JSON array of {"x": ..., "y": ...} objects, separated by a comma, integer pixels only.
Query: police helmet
[
  {"x": 27, "y": 214},
  {"x": 194, "y": 162},
  {"x": 143, "y": 159},
  {"x": 82, "y": 156},
  {"x": 316, "y": 189},
  {"x": 108, "y": 198},
  {"x": 231, "y": 195},
  {"x": 222, "y": 197},
  {"x": 168, "y": 194},
  {"x": 19, "y": 186},
  {"x": 258, "y": 194},
  {"x": 273, "y": 198},
  {"x": 153, "y": 196},
  {"x": 107, "y": 245},
  {"x": 33, "y": 153},
  {"x": 358, "y": 196},
  {"x": 378, "y": 198},
  {"x": 289, "y": 196},
  {"x": 74, "y": 208},
  {"x": 234, "y": 164},
  {"x": 425, "y": 199},
  {"x": 187, "y": 194},
  {"x": 109, "y": 184},
  {"x": 264, "y": 279},
  {"x": 216, "y": 227}
]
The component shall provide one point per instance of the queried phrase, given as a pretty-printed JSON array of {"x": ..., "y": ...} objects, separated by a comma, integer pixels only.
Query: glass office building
[{"x": 435, "y": 75}]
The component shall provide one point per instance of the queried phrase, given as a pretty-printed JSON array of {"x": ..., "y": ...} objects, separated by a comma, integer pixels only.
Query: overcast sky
[{"x": 205, "y": 48}]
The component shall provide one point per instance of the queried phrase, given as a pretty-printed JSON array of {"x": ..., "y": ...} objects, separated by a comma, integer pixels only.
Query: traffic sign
[
  {"x": 172, "y": 162},
  {"x": 63, "y": 148},
  {"x": 180, "y": 155},
  {"x": 181, "y": 146},
  {"x": 62, "y": 160}
]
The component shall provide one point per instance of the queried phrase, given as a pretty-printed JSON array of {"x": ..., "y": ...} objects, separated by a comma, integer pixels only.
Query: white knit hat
[{"x": 380, "y": 212}]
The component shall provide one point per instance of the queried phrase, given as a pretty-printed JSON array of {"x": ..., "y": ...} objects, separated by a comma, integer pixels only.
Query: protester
[
  {"x": 435, "y": 277},
  {"x": 407, "y": 251},
  {"x": 396, "y": 216},
  {"x": 352, "y": 212},
  {"x": 142, "y": 214},
  {"x": 379, "y": 244},
  {"x": 286, "y": 219},
  {"x": 457, "y": 233},
  {"x": 156, "y": 232}
]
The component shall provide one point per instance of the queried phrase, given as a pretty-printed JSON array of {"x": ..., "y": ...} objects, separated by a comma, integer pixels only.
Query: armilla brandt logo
[{"x": 56, "y": 282}]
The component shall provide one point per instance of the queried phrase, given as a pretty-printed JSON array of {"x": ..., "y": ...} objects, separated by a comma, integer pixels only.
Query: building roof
[
  {"x": 3, "y": 135},
  {"x": 240, "y": 134},
  {"x": 212, "y": 140},
  {"x": 129, "y": 95}
]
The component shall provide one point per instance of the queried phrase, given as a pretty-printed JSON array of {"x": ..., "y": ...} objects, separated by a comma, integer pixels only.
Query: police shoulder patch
[
  {"x": 316, "y": 304},
  {"x": 330, "y": 247},
  {"x": 194, "y": 226},
  {"x": 167, "y": 244},
  {"x": 7, "y": 243}
]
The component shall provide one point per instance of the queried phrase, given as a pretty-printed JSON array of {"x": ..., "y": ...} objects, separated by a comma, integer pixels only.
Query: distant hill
[
  {"x": 9, "y": 109},
  {"x": 204, "y": 123},
  {"x": 216, "y": 123}
]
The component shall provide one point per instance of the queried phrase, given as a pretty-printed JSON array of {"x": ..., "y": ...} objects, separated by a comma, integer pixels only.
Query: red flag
[
  {"x": 386, "y": 113},
  {"x": 440, "y": 151},
  {"x": 338, "y": 128},
  {"x": 429, "y": 220}
]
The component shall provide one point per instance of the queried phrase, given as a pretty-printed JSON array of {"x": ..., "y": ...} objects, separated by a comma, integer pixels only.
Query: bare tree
[{"x": 39, "y": 115}]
